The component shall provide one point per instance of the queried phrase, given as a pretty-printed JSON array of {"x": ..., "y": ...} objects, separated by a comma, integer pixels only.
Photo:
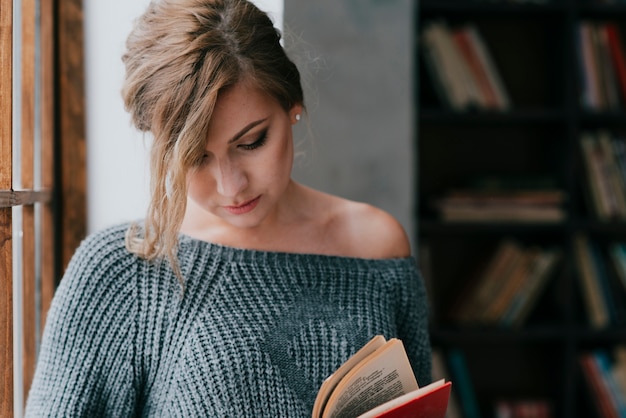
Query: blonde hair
[{"x": 180, "y": 55}]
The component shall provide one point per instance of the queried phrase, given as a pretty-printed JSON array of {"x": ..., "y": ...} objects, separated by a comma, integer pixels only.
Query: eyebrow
[{"x": 246, "y": 129}]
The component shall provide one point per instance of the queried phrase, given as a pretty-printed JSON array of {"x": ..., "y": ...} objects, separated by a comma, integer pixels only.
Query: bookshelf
[{"x": 535, "y": 143}]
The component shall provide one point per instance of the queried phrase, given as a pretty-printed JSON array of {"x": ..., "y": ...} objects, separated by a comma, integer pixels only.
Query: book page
[
  {"x": 331, "y": 382},
  {"x": 382, "y": 376}
]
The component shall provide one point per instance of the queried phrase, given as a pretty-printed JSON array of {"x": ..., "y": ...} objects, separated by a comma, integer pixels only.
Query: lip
[{"x": 245, "y": 207}]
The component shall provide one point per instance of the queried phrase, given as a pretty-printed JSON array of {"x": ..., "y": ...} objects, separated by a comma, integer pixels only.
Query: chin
[{"x": 246, "y": 221}]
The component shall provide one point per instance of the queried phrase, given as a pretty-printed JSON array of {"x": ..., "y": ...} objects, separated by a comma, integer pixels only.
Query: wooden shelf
[
  {"x": 434, "y": 115},
  {"x": 431, "y": 226},
  {"x": 601, "y": 11},
  {"x": 452, "y": 7},
  {"x": 539, "y": 137},
  {"x": 460, "y": 336}
]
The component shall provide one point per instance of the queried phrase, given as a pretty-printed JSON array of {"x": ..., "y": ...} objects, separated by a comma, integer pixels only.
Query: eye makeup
[{"x": 260, "y": 141}]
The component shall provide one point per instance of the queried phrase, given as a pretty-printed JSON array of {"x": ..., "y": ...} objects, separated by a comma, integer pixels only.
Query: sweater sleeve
[
  {"x": 86, "y": 365},
  {"x": 414, "y": 323}
]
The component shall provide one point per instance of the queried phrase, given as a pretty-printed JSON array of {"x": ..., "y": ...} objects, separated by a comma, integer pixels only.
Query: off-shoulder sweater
[{"x": 253, "y": 334}]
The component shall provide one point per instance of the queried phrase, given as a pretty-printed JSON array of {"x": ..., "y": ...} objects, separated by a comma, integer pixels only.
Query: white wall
[
  {"x": 358, "y": 76},
  {"x": 117, "y": 154}
]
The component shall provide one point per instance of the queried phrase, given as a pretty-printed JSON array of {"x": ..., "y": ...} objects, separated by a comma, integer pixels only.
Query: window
[{"x": 42, "y": 175}]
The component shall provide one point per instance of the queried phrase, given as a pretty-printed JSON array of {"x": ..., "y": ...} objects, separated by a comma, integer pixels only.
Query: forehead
[
  {"x": 242, "y": 99},
  {"x": 237, "y": 107}
]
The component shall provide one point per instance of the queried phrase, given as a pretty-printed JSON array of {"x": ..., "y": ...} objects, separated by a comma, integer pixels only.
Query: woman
[{"x": 242, "y": 290}]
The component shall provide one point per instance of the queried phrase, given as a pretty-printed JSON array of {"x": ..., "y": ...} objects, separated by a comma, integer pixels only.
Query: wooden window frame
[{"x": 51, "y": 193}]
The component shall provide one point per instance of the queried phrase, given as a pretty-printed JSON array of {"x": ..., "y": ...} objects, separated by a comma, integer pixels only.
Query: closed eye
[{"x": 260, "y": 141}]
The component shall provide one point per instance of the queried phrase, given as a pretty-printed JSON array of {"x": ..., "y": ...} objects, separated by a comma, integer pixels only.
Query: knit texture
[{"x": 254, "y": 334}]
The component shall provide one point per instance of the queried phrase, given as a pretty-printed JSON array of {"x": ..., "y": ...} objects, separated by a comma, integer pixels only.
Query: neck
[{"x": 290, "y": 212}]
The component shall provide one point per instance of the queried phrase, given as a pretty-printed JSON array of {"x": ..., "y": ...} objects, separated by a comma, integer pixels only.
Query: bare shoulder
[{"x": 369, "y": 232}]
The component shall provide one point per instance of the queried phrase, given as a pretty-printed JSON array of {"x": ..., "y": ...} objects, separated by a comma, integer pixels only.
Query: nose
[{"x": 230, "y": 179}]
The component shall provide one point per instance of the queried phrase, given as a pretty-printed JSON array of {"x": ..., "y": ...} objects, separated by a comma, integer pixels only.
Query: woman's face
[{"x": 247, "y": 164}]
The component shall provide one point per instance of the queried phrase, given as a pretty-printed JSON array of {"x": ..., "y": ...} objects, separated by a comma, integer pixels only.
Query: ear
[{"x": 295, "y": 113}]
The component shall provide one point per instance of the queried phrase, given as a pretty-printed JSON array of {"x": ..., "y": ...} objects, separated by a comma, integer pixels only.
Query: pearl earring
[{"x": 297, "y": 117}]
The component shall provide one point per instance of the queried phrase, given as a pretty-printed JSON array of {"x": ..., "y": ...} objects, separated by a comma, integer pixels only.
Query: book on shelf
[
  {"x": 607, "y": 67},
  {"x": 440, "y": 371},
  {"x": 525, "y": 408},
  {"x": 615, "y": 292},
  {"x": 605, "y": 175},
  {"x": 596, "y": 308},
  {"x": 617, "y": 251},
  {"x": 487, "y": 95},
  {"x": 462, "y": 70},
  {"x": 592, "y": 61},
  {"x": 447, "y": 66},
  {"x": 619, "y": 367},
  {"x": 501, "y": 213},
  {"x": 618, "y": 55},
  {"x": 508, "y": 287},
  {"x": 515, "y": 183},
  {"x": 619, "y": 153},
  {"x": 613, "y": 261},
  {"x": 597, "y": 185},
  {"x": 488, "y": 64},
  {"x": 475, "y": 295},
  {"x": 463, "y": 383},
  {"x": 590, "y": 92},
  {"x": 378, "y": 381},
  {"x": 505, "y": 287},
  {"x": 448, "y": 91},
  {"x": 602, "y": 62},
  {"x": 597, "y": 387},
  {"x": 612, "y": 171},
  {"x": 521, "y": 302},
  {"x": 602, "y": 283},
  {"x": 601, "y": 376},
  {"x": 505, "y": 197},
  {"x": 607, "y": 371},
  {"x": 502, "y": 205}
]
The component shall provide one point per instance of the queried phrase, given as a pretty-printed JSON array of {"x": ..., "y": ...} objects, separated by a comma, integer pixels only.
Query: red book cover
[
  {"x": 616, "y": 49},
  {"x": 378, "y": 381},
  {"x": 598, "y": 390},
  {"x": 428, "y": 402},
  {"x": 466, "y": 48}
]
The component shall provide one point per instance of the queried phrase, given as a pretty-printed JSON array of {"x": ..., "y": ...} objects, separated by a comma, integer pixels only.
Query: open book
[{"x": 378, "y": 381}]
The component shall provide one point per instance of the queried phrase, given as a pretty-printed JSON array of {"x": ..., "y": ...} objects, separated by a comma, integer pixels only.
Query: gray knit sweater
[{"x": 254, "y": 334}]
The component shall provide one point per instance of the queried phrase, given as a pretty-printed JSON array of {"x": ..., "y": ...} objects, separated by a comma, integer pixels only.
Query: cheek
[
  {"x": 278, "y": 168},
  {"x": 284, "y": 159},
  {"x": 198, "y": 186}
]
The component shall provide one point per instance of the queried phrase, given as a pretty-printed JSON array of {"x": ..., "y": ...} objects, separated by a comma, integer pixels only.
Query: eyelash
[
  {"x": 256, "y": 144},
  {"x": 247, "y": 147}
]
